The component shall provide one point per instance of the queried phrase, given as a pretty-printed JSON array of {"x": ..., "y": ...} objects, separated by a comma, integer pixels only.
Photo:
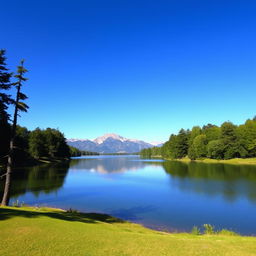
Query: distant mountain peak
[
  {"x": 101, "y": 139},
  {"x": 110, "y": 143}
]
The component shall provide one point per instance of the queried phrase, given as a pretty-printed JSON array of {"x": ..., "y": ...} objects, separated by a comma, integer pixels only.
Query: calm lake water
[{"x": 165, "y": 195}]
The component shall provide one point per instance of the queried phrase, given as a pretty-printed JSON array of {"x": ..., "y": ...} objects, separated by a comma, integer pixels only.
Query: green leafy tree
[
  {"x": 215, "y": 149},
  {"x": 48, "y": 143},
  {"x": 247, "y": 135},
  {"x": 37, "y": 144},
  {"x": 56, "y": 143},
  {"x": 21, "y": 153},
  {"x": 212, "y": 132},
  {"x": 196, "y": 130},
  {"x": 231, "y": 141},
  {"x": 198, "y": 147}
]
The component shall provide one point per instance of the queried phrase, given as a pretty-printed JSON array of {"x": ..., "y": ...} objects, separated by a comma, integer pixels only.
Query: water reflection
[
  {"x": 38, "y": 179},
  {"x": 157, "y": 193},
  {"x": 229, "y": 181},
  {"x": 105, "y": 165}
]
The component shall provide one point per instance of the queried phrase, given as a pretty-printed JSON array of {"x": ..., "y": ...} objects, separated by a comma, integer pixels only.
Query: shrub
[
  {"x": 208, "y": 229},
  {"x": 70, "y": 210},
  {"x": 195, "y": 231},
  {"x": 17, "y": 203}
]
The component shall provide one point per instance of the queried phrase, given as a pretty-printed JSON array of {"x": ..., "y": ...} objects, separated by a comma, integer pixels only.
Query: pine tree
[
  {"x": 5, "y": 100},
  {"x": 19, "y": 106}
]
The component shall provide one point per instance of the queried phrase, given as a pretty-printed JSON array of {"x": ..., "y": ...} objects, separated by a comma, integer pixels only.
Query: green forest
[
  {"x": 210, "y": 141},
  {"x": 18, "y": 143}
]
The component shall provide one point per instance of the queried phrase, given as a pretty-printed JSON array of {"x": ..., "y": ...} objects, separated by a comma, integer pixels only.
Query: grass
[
  {"x": 249, "y": 161},
  {"x": 51, "y": 232}
]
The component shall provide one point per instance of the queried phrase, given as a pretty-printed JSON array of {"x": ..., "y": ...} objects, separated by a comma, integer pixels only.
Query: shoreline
[
  {"x": 234, "y": 161},
  {"x": 104, "y": 216},
  {"x": 51, "y": 231}
]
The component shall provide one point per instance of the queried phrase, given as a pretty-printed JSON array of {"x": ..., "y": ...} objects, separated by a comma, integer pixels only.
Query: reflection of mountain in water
[
  {"x": 230, "y": 181},
  {"x": 37, "y": 179},
  {"x": 107, "y": 165}
]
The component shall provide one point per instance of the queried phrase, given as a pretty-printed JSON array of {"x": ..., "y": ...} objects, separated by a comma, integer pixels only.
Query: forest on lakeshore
[
  {"x": 211, "y": 141},
  {"x": 18, "y": 143}
]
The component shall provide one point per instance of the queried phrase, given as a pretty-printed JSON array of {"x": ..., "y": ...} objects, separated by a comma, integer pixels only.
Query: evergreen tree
[
  {"x": 181, "y": 147},
  {"x": 5, "y": 100},
  {"x": 19, "y": 106}
]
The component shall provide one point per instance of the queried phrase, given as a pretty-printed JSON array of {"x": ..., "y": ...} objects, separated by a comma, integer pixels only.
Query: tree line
[
  {"x": 17, "y": 144},
  {"x": 210, "y": 141},
  {"x": 77, "y": 152}
]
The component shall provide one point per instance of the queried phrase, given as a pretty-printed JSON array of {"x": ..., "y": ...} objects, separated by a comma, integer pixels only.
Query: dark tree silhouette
[
  {"x": 5, "y": 100},
  {"x": 19, "y": 106}
]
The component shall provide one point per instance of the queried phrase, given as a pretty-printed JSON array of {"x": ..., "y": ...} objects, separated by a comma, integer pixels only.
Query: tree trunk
[{"x": 7, "y": 187}]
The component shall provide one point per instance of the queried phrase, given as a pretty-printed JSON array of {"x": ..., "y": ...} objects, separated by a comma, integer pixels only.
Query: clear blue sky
[{"x": 142, "y": 69}]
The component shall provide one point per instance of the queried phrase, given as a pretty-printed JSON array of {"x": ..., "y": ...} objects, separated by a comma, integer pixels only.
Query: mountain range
[{"x": 110, "y": 143}]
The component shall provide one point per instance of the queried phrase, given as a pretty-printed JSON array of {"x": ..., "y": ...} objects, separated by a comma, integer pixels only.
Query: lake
[{"x": 165, "y": 195}]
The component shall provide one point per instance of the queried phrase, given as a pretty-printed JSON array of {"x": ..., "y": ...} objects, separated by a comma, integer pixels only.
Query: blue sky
[{"x": 142, "y": 69}]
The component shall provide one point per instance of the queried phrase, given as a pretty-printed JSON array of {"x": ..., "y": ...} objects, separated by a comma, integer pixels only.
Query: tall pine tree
[
  {"x": 19, "y": 106},
  {"x": 5, "y": 100}
]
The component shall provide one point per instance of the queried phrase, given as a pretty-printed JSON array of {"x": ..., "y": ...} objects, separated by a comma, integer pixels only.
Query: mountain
[{"x": 110, "y": 143}]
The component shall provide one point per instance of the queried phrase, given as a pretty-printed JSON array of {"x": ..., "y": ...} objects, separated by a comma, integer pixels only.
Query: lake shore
[
  {"x": 99, "y": 234},
  {"x": 247, "y": 161}
]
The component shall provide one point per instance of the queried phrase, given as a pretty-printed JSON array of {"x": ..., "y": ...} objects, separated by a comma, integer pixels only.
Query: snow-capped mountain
[
  {"x": 110, "y": 143},
  {"x": 101, "y": 139}
]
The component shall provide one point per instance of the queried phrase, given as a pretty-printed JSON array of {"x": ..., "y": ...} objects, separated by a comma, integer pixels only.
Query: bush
[
  {"x": 208, "y": 229},
  {"x": 17, "y": 203},
  {"x": 72, "y": 211},
  {"x": 195, "y": 231}
]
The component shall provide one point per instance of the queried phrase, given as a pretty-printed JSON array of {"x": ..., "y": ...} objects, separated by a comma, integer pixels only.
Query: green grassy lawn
[{"x": 44, "y": 232}]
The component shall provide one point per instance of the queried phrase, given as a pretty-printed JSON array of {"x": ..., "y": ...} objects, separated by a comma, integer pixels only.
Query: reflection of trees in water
[
  {"x": 37, "y": 179},
  {"x": 107, "y": 165},
  {"x": 230, "y": 181}
]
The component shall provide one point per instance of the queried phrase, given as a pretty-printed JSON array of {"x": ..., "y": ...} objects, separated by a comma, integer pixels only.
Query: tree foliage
[
  {"x": 224, "y": 142},
  {"x": 5, "y": 101},
  {"x": 47, "y": 143}
]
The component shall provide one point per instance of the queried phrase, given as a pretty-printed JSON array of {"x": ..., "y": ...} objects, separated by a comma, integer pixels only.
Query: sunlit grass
[
  {"x": 229, "y": 161},
  {"x": 44, "y": 232}
]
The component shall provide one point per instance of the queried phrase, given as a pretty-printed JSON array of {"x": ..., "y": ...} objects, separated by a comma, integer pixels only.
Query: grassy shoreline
[
  {"x": 47, "y": 232},
  {"x": 247, "y": 161}
]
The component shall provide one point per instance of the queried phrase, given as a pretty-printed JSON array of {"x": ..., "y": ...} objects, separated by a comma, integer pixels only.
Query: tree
[
  {"x": 56, "y": 143},
  {"x": 196, "y": 130},
  {"x": 5, "y": 100},
  {"x": 48, "y": 143},
  {"x": 215, "y": 149},
  {"x": 37, "y": 145},
  {"x": 181, "y": 147},
  {"x": 19, "y": 106},
  {"x": 177, "y": 146},
  {"x": 212, "y": 132},
  {"x": 247, "y": 137},
  {"x": 231, "y": 142},
  {"x": 198, "y": 148},
  {"x": 21, "y": 153}
]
